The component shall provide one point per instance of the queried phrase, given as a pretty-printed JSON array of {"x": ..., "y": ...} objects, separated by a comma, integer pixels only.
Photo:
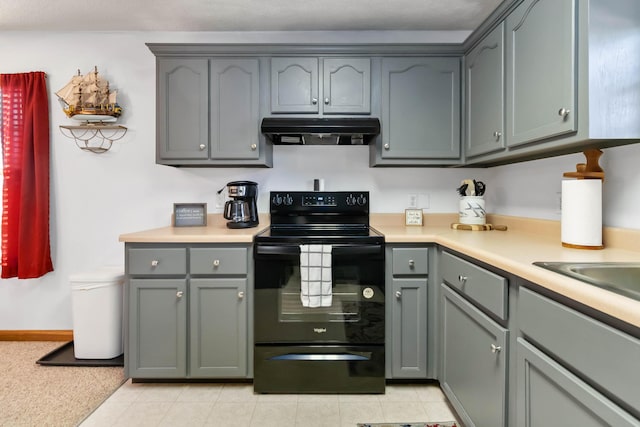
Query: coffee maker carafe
[{"x": 242, "y": 209}]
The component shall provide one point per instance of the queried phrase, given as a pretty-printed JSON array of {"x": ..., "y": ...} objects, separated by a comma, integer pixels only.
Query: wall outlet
[
  {"x": 412, "y": 200},
  {"x": 423, "y": 200},
  {"x": 220, "y": 199}
]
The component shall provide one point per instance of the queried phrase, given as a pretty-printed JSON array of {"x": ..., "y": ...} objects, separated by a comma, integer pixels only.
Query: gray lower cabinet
[
  {"x": 572, "y": 368},
  {"x": 474, "y": 362},
  {"x": 313, "y": 85},
  {"x": 218, "y": 332},
  {"x": 485, "y": 111},
  {"x": 474, "y": 341},
  {"x": 550, "y": 395},
  {"x": 407, "y": 344},
  {"x": 157, "y": 328},
  {"x": 208, "y": 112},
  {"x": 420, "y": 111},
  {"x": 187, "y": 312}
]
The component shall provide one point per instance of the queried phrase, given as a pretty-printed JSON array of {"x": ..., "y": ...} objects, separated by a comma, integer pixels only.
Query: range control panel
[{"x": 308, "y": 201}]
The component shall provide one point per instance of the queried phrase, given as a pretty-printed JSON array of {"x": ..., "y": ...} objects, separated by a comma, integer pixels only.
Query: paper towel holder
[{"x": 590, "y": 171}]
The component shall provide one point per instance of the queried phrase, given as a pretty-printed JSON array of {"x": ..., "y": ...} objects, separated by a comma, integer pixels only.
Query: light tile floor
[{"x": 235, "y": 405}]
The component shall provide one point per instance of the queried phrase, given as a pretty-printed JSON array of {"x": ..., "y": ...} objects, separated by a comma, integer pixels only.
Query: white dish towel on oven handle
[{"x": 315, "y": 275}]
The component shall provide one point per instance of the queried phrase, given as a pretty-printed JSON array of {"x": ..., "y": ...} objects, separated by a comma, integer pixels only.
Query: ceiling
[{"x": 243, "y": 15}]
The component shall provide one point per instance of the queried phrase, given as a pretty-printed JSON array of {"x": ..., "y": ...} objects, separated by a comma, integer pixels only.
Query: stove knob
[
  {"x": 362, "y": 199},
  {"x": 277, "y": 200},
  {"x": 351, "y": 200},
  {"x": 288, "y": 200}
]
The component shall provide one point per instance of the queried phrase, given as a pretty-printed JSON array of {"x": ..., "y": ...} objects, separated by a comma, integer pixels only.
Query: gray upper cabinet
[
  {"x": 484, "y": 73},
  {"x": 183, "y": 106},
  {"x": 234, "y": 112},
  {"x": 420, "y": 111},
  {"x": 208, "y": 113},
  {"x": 541, "y": 71},
  {"x": 345, "y": 87}
]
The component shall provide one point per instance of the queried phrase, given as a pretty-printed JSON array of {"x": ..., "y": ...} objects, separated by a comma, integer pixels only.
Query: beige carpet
[{"x": 35, "y": 395}]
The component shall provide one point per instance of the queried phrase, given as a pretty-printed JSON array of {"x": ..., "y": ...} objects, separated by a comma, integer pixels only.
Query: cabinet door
[
  {"x": 294, "y": 85},
  {"x": 420, "y": 108},
  {"x": 234, "y": 109},
  {"x": 347, "y": 85},
  {"x": 157, "y": 328},
  {"x": 485, "y": 95},
  {"x": 549, "y": 395},
  {"x": 541, "y": 73},
  {"x": 474, "y": 355},
  {"x": 409, "y": 328},
  {"x": 218, "y": 316},
  {"x": 183, "y": 108}
]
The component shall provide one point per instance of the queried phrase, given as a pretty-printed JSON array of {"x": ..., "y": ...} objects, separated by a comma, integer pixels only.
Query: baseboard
[{"x": 45, "y": 335}]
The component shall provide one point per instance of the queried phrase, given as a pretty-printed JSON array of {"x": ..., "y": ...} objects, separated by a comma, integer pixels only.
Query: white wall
[{"x": 95, "y": 198}]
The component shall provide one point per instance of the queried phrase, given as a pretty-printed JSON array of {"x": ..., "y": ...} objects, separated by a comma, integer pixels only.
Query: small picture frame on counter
[
  {"x": 413, "y": 217},
  {"x": 189, "y": 214}
]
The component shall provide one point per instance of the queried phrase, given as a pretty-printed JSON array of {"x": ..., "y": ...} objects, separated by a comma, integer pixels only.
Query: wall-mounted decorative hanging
[{"x": 89, "y": 100}]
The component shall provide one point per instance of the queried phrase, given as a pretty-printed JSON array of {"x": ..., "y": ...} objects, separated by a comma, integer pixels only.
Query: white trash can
[{"x": 96, "y": 300}]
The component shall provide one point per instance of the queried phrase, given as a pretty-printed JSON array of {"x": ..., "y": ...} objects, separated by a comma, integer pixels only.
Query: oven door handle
[
  {"x": 338, "y": 250},
  {"x": 323, "y": 357}
]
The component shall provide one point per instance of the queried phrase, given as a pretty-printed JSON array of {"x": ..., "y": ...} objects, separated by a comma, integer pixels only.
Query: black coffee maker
[{"x": 242, "y": 209}]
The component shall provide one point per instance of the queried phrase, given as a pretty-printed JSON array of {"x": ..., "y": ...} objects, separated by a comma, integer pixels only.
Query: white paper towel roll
[{"x": 582, "y": 213}]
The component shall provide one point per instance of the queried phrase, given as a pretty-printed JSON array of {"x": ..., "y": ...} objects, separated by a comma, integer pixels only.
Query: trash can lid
[{"x": 112, "y": 273}]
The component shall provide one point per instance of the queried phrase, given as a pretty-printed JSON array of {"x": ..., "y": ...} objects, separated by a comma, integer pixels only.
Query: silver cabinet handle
[
  {"x": 326, "y": 101},
  {"x": 253, "y": 147},
  {"x": 412, "y": 264},
  {"x": 386, "y": 146},
  {"x": 398, "y": 294},
  {"x": 314, "y": 101},
  {"x": 180, "y": 294},
  {"x": 563, "y": 112},
  {"x": 495, "y": 348},
  {"x": 216, "y": 263},
  {"x": 240, "y": 295},
  {"x": 462, "y": 279},
  {"x": 155, "y": 263},
  {"x": 497, "y": 135},
  {"x": 202, "y": 147}
]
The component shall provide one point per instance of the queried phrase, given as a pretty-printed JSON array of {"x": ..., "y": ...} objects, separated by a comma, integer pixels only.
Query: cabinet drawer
[
  {"x": 212, "y": 261},
  {"x": 157, "y": 261},
  {"x": 413, "y": 261},
  {"x": 486, "y": 288},
  {"x": 599, "y": 353}
]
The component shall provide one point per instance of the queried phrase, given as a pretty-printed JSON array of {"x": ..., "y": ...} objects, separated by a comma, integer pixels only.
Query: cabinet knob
[
  {"x": 412, "y": 264},
  {"x": 240, "y": 295},
  {"x": 497, "y": 135},
  {"x": 563, "y": 112},
  {"x": 386, "y": 146},
  {"x": 326, "y": 101},
  {"x": 253, "y": 147},
  {"x": 398, "y": 294},
  {"x": 202, "y": 147},
  {"x": 216, "y": 263},
  {"x": 155, "y": 263},
  {"x": 462, "y": 279},
  {"x": 495, "y": 348},
  {"x": 314, "y": 101},
  {"x": 179, "y": 294}
]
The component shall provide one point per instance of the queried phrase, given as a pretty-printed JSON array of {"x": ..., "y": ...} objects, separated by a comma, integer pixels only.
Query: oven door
[{"x": 356, "y": 314}]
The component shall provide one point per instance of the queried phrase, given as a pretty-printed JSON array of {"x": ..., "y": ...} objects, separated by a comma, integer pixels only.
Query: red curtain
[{"x": 25, "y": 195}]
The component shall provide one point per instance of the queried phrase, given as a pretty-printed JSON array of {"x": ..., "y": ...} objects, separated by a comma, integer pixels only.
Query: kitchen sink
[{"x": 620, "y": 277}]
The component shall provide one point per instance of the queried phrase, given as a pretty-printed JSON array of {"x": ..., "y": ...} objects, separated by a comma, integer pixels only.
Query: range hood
[{"x": 320, "y": 131}]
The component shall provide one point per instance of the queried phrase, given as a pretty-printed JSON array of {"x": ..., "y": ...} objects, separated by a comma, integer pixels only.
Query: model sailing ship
[{"x": 88, "y": 98}]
